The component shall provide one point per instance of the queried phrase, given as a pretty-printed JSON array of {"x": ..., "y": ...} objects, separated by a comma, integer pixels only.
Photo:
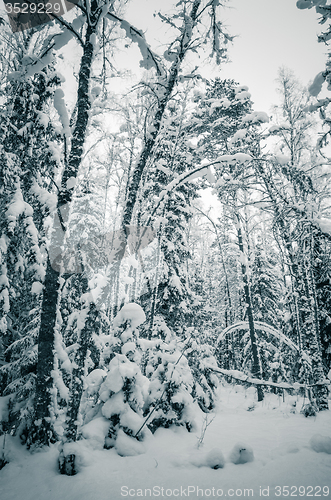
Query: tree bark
[
  {"x": 41, "y": 432},
  {"x": 320, "y": 392},
  {"x": 256, "y": 368},
  {"x": 156, "y": 124},
  {"x": 67, "y": 462}
]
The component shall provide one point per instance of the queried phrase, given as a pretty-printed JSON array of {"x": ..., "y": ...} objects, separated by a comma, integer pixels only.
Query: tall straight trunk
[
  {"x": 256, "y": 368},
  {"x": 67, "y": 460},
  {"x": 156, "y": 284},
  {"x": 42, "y": 432},
  {"x": 312, "y": 334}
]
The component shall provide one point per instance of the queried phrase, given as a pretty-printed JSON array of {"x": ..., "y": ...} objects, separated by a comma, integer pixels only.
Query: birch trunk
[{"x": 42, "y": 432}]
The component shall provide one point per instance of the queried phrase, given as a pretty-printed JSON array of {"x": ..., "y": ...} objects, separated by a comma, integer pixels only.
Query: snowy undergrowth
[
  {"x": 283, "y": 447},
  {"x": 144, "y": 384}
]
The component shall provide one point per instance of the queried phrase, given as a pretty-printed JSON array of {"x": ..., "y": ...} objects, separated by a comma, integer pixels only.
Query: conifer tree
[
  {"x": 171, "y": 295},
  {"x": 29, "y": 147},
  {"x": 266, "y": 287}
]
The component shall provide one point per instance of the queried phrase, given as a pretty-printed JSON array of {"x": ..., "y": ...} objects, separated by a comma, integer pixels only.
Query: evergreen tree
[
  {"x": 171, "y": 296},
  {"x": 266, "y": 288},
  {"x": 29, "y": 144}
]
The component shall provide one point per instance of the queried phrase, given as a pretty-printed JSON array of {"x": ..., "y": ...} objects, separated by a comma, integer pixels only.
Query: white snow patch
[
  {"x": 282, "y": 159},
  {"x": 94, "y": 380},
  {"x": 240, "y": 88},
  {"x": 114, "y": 406},
  {"x": 49, "y": 199},
  {"x": 18, "y": 207},
  {"x": 130, "y": 312},
  {"x": 242, "y": 157},
  {"x": 128, "y": 347},
  {"x": 239, "y": 135},
  {"x": 320, "y": 444},
  {"x": 60, "y": 385},
  {"x": 215, "y": 459},
  {"x": 96, "y": 432},
  {"x": 131, "y": 420},
  {"x": 315, "y": 88},
  {"x": 37, "y": 287},
  {"x": 241, "y": 454},
  {"x": 273, "y": 432},
  {"x": 43, "y": 119},
  {"x": 71, "y": 183},
  {"x": 60, "y": 107},
  {"x": 243, "y": 96},
  {"x": 127, "y": 446},
  {"x": 256, "y": 117},
  {"x": 324, "y": 224}
]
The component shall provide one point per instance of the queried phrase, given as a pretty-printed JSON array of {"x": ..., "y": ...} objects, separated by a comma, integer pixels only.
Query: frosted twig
[{"x": 205, "y": 425}]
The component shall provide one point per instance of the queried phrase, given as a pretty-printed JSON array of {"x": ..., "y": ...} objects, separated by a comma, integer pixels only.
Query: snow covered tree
[
  {"x": 29, "y": 145},
  {"x": 170, "y": 399},
  {"x": 170, "y": 295},
  {"x": 84, "y": 30},
  {"x": 322, "y": 105},
  {"x": 145, "y": 384},
  {"x": 287, "y": 185},
  {"x": 266, "y": 287},
  {"x": 293, "y": 124},
  {"x": 220, "y": 121}
]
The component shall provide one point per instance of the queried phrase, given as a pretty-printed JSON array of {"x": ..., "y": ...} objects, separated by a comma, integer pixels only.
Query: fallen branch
[{"x": 242, "y": 377}]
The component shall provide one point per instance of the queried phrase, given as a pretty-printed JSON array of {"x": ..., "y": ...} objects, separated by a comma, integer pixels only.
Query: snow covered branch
[
  {"x": 150, "y": 60},
  {"x": 242, "y": 377}
]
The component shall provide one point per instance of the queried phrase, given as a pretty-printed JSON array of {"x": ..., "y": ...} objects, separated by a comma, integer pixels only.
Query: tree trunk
[
  {"x": 41, "y": 433},
  {"x": 256, "y": 368},
  {"x": 320, "y": 391},
  {"x": 156, "y": 284},
  {"x": 146, "y": 153},
  {"x": 67, "y": 462}
]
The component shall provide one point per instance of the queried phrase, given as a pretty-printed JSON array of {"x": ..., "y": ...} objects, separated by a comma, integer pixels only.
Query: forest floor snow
[{"x": 289, "y": 451}]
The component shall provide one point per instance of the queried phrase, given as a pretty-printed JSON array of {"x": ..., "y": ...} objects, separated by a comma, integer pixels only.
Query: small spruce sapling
[{"x": 124, "y": 390}]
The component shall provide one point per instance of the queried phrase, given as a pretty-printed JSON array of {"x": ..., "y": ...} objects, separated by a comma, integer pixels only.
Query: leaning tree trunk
[
  {"x": 256, "y": 369},
  {"x": 168, "y": 86},
  {"x": 42, "y": 432}
]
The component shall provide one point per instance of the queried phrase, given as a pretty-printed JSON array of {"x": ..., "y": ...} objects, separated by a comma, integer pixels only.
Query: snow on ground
[{"x": 287, "y": 449}]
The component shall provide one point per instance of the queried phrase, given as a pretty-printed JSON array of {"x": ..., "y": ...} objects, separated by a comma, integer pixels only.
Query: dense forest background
[{"x": 123, "y": 291}]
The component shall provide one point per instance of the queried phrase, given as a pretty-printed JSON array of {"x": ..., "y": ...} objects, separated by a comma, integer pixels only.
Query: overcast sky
[{"x": 271, "y": 33}]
